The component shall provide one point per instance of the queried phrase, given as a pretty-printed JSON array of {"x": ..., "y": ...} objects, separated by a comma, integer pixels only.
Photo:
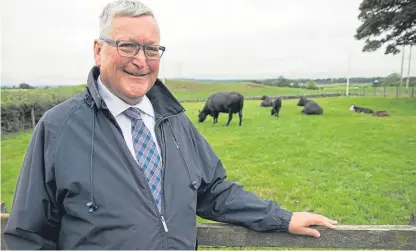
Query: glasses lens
[
  {"x": 127, "y": 49},
  {"x": 153, "y": 52}
]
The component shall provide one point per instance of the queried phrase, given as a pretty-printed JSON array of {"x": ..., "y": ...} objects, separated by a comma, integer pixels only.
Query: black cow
[
  {"x": 355, "y": 108},
  {"x": 226, "y": 102},
  {"x": 277, "y": 104},
  {"x": 267, "y": 102},
  {"x": 310, "y": 107}
]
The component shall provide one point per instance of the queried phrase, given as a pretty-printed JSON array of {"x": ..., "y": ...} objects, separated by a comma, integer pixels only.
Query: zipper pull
[{"x": 164, "y": 224}]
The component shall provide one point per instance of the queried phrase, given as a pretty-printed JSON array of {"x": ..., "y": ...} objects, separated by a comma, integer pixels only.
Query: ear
[{"x": 97, "y": 52}]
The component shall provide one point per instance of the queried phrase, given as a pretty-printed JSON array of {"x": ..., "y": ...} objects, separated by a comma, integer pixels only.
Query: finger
[
  {"x": 309, "y": 231},
  {"x": 323, "y": 220},
  {"x": 333, "y": 222},
  {"x": 329, "y": 225}
]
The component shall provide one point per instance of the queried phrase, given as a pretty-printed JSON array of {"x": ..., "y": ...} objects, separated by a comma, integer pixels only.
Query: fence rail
[
  {"x": 218, "y": 235},
  {"x": 348, "y": 236}
]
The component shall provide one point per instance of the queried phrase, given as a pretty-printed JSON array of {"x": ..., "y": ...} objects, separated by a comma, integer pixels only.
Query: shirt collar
[{"x": 118, "y": 106}]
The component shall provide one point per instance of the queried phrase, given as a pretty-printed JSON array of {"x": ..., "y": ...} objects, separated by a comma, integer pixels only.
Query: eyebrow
[{"x": 134, "y": 40}]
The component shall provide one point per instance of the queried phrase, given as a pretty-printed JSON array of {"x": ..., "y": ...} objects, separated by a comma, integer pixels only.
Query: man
[{"x": 120, "y": 166}]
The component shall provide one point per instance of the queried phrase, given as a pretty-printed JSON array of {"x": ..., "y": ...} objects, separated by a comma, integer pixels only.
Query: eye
[{"x": 127, "y": 45}]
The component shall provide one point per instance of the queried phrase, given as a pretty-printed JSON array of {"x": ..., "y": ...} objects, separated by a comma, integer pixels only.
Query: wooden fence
[{"x": 217, "y": 235}]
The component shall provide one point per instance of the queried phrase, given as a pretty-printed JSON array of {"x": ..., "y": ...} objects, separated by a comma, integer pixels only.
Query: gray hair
[{"x": 129, "y": 8}]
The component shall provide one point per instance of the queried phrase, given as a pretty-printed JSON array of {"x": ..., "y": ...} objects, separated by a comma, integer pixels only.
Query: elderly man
[{"x": 120, "y": 166}]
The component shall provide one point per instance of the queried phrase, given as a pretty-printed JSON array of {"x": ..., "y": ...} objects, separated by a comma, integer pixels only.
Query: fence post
[
  {"x": 413, "y": 90},
  {"x": 384, "y": 90},
  {"x": 397, "y": 91},
  {"x": 375, "y": 90},
  {"x": 22, "y": 114},
  {"x": 33, "y": 118}
]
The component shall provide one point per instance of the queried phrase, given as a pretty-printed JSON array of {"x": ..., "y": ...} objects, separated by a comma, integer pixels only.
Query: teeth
[{"x": 136, "y": 75}]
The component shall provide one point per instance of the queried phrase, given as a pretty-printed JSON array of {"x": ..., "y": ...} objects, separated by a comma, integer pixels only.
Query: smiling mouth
[{"x": 135, "y": 74}]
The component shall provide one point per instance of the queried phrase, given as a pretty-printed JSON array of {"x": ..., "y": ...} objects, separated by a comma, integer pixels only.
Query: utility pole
[
  {"x": 408, "y": 69},
  {"x": 401, "y": 70},
  {"x": 349, "y": 72}
]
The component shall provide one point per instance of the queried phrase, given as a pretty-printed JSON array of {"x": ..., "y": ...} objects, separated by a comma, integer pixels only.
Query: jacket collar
[{"x": 163, "y": 101}]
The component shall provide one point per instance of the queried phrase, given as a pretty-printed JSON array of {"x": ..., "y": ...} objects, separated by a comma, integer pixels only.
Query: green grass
[
  {"x": 367, "y": 90},
  {"x": 192, "y": 90},
  {"x": 354, "y": 168},
  {"x": 182, "y": 89}
]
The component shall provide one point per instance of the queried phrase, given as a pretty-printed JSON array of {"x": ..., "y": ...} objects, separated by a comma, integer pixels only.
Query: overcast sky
[{"x": 51, "y": 41}]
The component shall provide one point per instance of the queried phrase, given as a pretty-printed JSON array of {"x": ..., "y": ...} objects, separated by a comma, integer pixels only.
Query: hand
[{"x": 300, "y": 222}]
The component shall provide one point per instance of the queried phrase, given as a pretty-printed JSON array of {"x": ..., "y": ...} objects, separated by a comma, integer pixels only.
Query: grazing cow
[
  {"x": 277, "y": 104},
  {"x": 355, "y": 108},
  {"x": 310, "y": 107},
  {"x": 226, "y": 102}
]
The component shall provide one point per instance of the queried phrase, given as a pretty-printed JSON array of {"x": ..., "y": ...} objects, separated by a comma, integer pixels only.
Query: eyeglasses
[{"x": 130, "y": 49}]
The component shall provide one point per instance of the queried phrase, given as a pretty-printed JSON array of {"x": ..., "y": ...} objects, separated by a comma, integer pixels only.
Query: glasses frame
[{"x": 139, "y": 46}]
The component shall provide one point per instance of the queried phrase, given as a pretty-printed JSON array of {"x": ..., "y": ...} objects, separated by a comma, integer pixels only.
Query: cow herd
[{"x": 233, "y": 102}]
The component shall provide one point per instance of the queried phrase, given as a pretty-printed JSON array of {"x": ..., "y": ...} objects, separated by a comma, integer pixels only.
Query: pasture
[
  {"x": 183, "y": 89},
  {"x": 355, "y": 168}
]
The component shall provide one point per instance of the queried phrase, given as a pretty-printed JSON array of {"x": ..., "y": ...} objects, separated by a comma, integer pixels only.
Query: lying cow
[
  {"x": 225, "y": 102},
  {"x": 310, "y": 107},
  {"x": 355, "y": 108},
  {"x": 381, "y": 114},
  {"x": 267, "y": 101},
  {"x": 277, "y": 104}
]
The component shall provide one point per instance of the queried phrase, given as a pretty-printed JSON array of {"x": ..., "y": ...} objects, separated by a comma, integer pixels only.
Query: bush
[
  {"x": 15, "y": 117},
  {"x": 310, "y": 85}
]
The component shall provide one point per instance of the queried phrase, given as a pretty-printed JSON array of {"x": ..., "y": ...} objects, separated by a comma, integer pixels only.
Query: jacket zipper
[
  {"x": 193, "y": 183},
  {"x": 163, "y": 156},
  {"x": 164, "y": 224}
]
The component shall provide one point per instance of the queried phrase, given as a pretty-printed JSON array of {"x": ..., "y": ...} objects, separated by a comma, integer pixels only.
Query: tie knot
[{"x": 133, "y": 113}]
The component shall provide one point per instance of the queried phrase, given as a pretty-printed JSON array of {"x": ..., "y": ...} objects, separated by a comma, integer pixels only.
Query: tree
[
  {"x": 311, "y": 85},
  {"x": 392, "y": 80},
  {"x": 282, "y": 82},
  {"x": 393, "y": 21},
  {"x": 25, "y": 86}
]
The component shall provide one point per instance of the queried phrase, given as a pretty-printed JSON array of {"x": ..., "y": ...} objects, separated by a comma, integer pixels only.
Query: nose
[{"x": 140, "y": 59}]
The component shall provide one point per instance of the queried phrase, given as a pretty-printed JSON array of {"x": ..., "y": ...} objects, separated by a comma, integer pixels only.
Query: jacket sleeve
[
  {"x": 225, "y": 201},
  {"x": 33, "y": 221}
]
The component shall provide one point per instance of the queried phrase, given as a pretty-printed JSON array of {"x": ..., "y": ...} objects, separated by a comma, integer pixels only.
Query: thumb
[{"x": 309, "y": 231}]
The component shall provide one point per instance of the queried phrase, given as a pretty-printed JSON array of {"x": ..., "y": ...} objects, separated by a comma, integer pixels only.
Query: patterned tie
[{"x": 146, "y": 153}]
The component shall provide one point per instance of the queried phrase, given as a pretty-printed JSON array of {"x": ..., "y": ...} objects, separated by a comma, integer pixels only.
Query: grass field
[
  {"x": 181, "y": 88},
  {"x": 357, "y": 169},
  {"x": 185, "y": 89}
]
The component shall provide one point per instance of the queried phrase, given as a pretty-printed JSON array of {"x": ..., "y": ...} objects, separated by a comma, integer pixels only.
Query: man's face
[{"x": 128, "y": 78}]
